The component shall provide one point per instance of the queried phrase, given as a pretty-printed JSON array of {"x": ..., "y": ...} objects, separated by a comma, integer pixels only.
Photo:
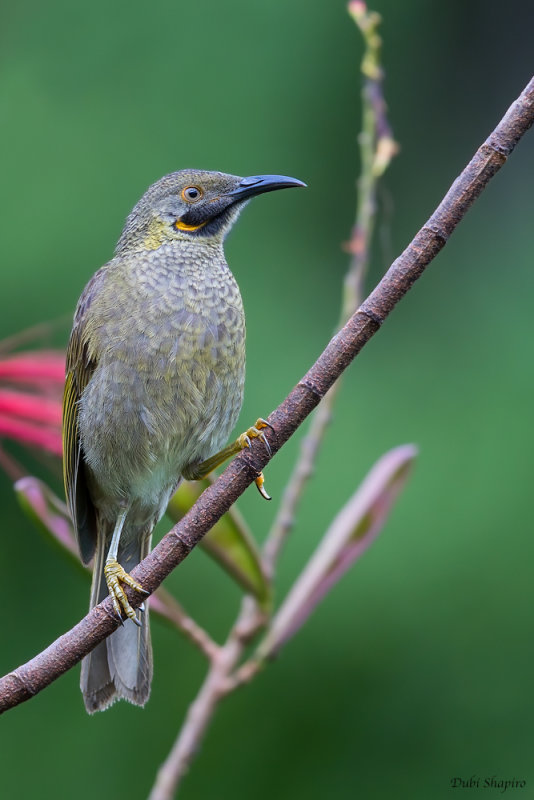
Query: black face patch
[{"x": 211, "y": 217}]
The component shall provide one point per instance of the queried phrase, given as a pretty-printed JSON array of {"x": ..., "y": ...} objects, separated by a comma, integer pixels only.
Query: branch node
[
  {"x": 311, "y": 387},
  {"x": 496, "y": 146},
  {"x": 372, "y": 315},
  {"x": 436, "y": 232}
]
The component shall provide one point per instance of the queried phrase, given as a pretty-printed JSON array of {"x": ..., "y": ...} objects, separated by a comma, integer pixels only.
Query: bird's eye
[{"x": 191, "y": 194}]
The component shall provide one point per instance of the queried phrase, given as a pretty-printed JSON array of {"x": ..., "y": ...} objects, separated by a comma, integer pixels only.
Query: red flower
[{"x": 31, "y": 387}]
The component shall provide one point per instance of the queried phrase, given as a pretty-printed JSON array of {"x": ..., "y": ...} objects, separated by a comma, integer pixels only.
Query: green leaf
[{"x": 229, "y": 542}]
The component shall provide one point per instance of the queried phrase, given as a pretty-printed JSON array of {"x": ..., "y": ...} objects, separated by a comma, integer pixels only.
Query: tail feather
[{"x": 121, "y": 666}]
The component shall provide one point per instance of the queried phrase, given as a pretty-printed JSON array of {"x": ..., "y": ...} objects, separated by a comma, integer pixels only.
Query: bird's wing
[{"x": 79, "y": 369}]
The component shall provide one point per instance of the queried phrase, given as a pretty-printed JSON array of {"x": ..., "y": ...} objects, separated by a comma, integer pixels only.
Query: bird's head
[{"x": 193, "y": 205}]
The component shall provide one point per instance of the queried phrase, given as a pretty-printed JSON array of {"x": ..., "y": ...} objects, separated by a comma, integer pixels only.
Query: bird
[{"x": 154, "y": 384}]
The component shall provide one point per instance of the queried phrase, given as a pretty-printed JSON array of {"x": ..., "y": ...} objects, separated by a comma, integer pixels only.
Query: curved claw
[
  {"x": 259, "y": 481},
  {"x": 265, "y": 441},
  {"x": 244, "y": 440},
  {"x": 117, "y": 609},
  {"x": 262, "y": 423}
]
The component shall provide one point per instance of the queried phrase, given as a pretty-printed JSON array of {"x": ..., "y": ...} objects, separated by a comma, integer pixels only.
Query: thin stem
[
  {"x": 217, "y": 684},
  {"x": 302, "y": 471},
  {"x": 10, "y": 466},
  {"x": 37, "y": 333},
  {"x": 165, "y": 604},
  {"x": 196, "y": 722}
]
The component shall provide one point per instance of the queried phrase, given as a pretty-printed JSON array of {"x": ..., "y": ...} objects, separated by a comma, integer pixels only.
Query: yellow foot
[
  {"x": 195, "y": 472},
  {"x": 115, "y": 575},
  {"x": 255, "y": 432},
  {"x": 243, "y": 441}
]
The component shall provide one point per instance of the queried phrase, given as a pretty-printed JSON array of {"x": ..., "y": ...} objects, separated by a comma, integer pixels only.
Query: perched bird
[{"x": 154, "y": 385}]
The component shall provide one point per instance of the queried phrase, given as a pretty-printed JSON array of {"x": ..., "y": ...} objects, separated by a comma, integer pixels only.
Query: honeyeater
[{"x": 154, "y": 385}]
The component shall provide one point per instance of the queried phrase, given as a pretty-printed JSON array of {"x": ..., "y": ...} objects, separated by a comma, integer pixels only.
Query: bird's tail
[{"x": 121, "y": 666}]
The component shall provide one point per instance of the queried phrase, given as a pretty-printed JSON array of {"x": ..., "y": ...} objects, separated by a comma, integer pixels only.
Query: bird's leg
[
  {"x": 115, "y": 575},
  {"x": 195, "y": 472}
]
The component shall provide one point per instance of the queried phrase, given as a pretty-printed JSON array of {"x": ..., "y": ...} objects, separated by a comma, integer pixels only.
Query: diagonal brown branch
[{"x": 66, "y": 651}]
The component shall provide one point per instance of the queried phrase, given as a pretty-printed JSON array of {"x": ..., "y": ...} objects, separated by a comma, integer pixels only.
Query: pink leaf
[
  {"x": 34, "y": 367},
  {"x": 35, "y": 407},
  {"x": 349, "y": 535},
  {"x": 47, "y": 438},
  {"x": 47, "y": 510}
]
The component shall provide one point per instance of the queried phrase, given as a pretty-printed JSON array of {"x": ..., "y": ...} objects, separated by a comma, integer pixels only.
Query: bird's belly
[{"x": 140, "y": 426}]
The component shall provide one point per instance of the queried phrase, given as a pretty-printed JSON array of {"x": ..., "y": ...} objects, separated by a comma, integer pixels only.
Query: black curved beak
[{"x": 259, "y": 184}]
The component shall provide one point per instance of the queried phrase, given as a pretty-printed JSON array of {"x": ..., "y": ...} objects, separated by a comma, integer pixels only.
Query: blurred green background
[{"x": 418, "y": 667}]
